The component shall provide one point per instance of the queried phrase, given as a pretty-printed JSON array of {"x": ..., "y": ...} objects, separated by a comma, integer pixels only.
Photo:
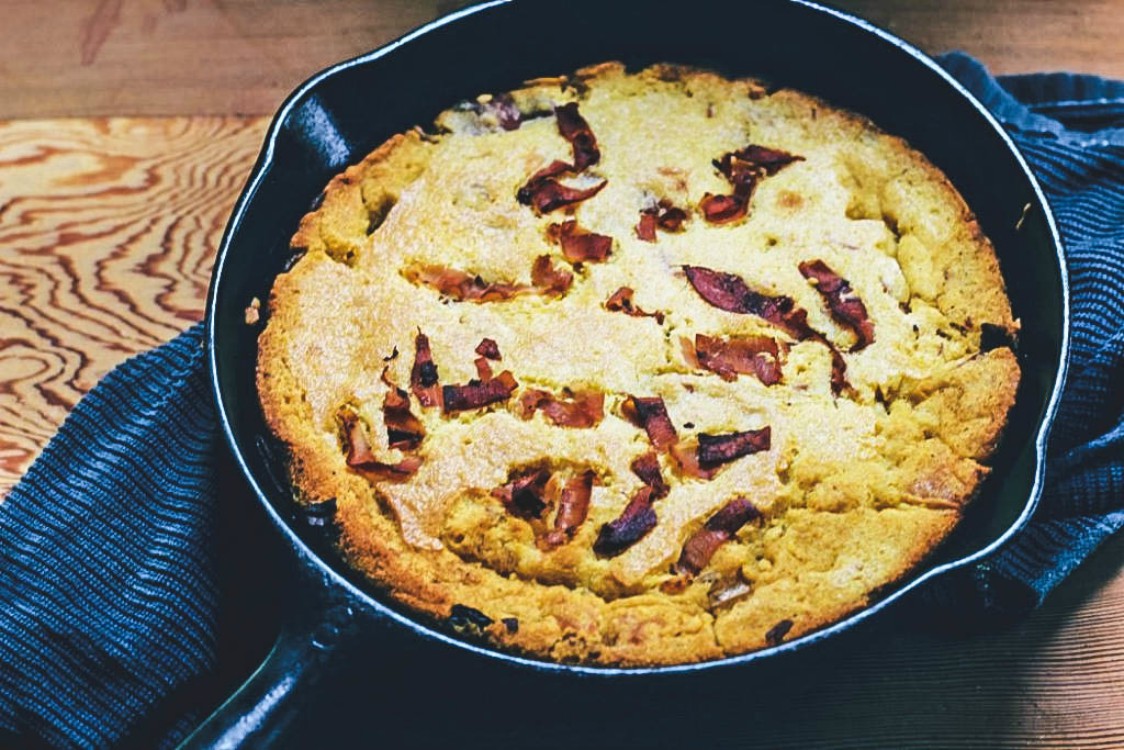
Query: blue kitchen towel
[
  {"x": 108, "y": 590},
  {"x": 1071, "y": 130},
  {"x": 108, "y": 583}
]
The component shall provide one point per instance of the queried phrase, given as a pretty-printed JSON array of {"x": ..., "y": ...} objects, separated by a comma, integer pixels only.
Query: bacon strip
[
  {"x": 838, "y": 368},
  {"x": 544, "y": 193},
  {"x": 632, "y": 525},
  {"x": 573, "y": 127},
  {"x": 646, "y": 227},
  {"x": 582, "y": 410},
  {"x": 686, "y": 457},
  {"x": 670, "y": 218},
  {"x": 358, "y": 448},
  {"x": 729, "y": 292},
  {"x": 505, "y": 111},
  {"x": 483, "y": 369},
  {"x": 723, "y": 209},
  {"x": 650, "y": 413},
  {"x": 477, "y": 393},
  {"x": 776, "y": 634},
  {"x": 360, "y": 456},
  {"x": 579, "y": 245},
  {"x": 722, "y": 449},
  {"x": 523, "y": 496},
  {"x": 664, "y": 216},
  {"x": 489, "y": 349},
  {"x": 403, "y": 430},
  {"x": 718, "y": 529},
  {"x": 556, "y": 168},
  {"x": 647, "y": 467},
  {"x": 743, "y": 169},
  {"x": 747, "y": 355},
  {"x": 621, "y": 301},
  {"x": 847, "y": 309},
  {"x": 423, "y": 375},
  {"x": 573, "y": 507},
  {"x": 547, "y": 278},
  {"x": 466, "y": 287},
  {"x": 754, "y": 160}
]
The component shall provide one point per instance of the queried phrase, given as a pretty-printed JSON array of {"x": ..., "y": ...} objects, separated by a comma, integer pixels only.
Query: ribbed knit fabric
[
  {"x": 108, "y": 594},
  {"x": 1071, "y": 130}
]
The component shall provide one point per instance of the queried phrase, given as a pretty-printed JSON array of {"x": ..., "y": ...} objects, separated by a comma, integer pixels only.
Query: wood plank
[
  {"x": 1009, "y": 36},
  {"x": 180, "y": 57},
  {"x": 109, "y": 229}
]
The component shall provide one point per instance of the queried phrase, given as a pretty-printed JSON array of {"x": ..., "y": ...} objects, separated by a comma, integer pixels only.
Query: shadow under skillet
[
  {"x": 910, "y": 678},
  {"x": 399, "y": 692},
  {"x": 907, "y": 678}
]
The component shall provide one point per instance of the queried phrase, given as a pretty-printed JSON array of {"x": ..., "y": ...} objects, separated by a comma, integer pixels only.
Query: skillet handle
[{"x": 310, "y": 643}]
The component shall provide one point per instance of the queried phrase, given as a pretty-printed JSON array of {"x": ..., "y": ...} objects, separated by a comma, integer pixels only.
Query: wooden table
[{"x": 127, "y": 128}]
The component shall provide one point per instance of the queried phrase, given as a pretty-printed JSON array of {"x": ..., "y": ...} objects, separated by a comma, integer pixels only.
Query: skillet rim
[{"x": 330, "y": 577}]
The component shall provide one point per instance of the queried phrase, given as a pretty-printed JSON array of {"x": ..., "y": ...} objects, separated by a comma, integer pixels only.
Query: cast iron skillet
[{"x": 339, "y": 115}]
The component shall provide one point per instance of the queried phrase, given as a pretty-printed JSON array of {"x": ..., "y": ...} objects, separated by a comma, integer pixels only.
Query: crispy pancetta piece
[
  {"x": 544, "y": 193},
  {"x": 729, "y": 292},
  {"x": 360, "y": 456},
  {"x": 573, "y": 127},
  {"x": 633, "y": 524},
  {"x": 573, "y": 507},
  {"x": 647, "y": 467},
  {"x": 650, "y": 413},
  {"x": 846, "y": 307},
  {"x": 743, "y": 170},
  {"x": 685, "y": 454},
  {"x": 755, "y": 160},
  {"x": 663, "y": 216},
  {"x": 580, "y": 409},
  {"x": 715, "y": 450},
  {"x": 548, "y": 279},
  {"x": 423, "y": 375},
  {"x": 477, "y": 394},
  {"x": 746, "y": 355},
  {"x": 483, "y": 368},
  {"x": 465, "y": 287},
  {"x": 718, "y": 529},
  {"x": 403, "y": 430},
  {"x": 579, "y": 245},
  {"x": 724, "y": 209},
  {"x": 523, "y": 495},
  {"x": 489, "y": 349},
  {"x": 621, "y": 301}
]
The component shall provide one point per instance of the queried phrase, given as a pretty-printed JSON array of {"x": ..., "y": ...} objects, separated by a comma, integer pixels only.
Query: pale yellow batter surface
[{"x": 858, "y": 484}]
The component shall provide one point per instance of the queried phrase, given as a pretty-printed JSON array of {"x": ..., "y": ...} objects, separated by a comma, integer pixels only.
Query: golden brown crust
[{"x": 857, "y": 486}]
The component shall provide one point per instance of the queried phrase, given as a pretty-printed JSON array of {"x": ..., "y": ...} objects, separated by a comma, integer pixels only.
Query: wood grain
[
  {"x": 182, "y": 57},
  {"x": 108, "y": 229}
]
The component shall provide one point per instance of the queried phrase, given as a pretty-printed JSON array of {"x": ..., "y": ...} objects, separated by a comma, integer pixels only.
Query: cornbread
[{"x": 639, "y": 368}]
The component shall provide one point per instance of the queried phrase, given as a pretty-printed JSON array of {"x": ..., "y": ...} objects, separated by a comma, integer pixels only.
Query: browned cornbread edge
[{"x": 562, "y": 623}]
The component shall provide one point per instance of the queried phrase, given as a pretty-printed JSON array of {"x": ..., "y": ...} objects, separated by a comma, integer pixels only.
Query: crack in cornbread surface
[{"x": 857, "y": 484}]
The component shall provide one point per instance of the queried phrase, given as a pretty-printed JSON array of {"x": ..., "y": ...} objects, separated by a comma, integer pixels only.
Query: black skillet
[{"x": 339, "y": 115}]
